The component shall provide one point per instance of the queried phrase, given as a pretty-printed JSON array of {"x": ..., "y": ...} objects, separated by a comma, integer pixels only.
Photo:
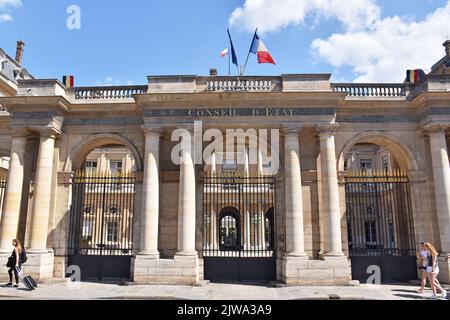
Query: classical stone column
[
  {"x": 186, "y": 198},
  {"x": 150, "y": 193},
  {"x": 13, "y": 194},
  {"x": 213, "y": 238},
  {"x": 260, "y": 162},
  {"x": 262, "y": 231},
  {"x": 247, "y": 229},
  {"x": 295, "y": 246},
  {"x": 43, "y": 181},
  {"x": 330, "y": 192},
  {"x": 213, "y": 164},
  {"x": 441, "y": 174}
]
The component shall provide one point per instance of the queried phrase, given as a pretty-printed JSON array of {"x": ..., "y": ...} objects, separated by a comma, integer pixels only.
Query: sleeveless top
[
  {"x": 430, "y": 260},
  {"x": 13, "y": 256}
]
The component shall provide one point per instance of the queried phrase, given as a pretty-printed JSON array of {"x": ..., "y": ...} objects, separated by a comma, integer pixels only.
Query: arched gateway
[{"x": 327, "y": 180}]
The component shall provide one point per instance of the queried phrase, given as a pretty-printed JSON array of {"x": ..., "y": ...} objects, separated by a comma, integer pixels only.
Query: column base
[
  {"x": 444, "y": 269},
  {"x": 181, "y": 270},
  {"x": 60, "y": 267},
  {"x": 4, "y": 255},
  {"x": 297, "y": 255},
  {"x": 150, "y": 254},
  {"x": 186, "y": 254},
  {"x": 40, "y": 265},
  {"x": 332, "y": 256},
  {"x": 300, "y": 271}
]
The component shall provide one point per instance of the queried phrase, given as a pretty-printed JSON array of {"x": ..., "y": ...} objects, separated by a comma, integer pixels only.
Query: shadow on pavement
[
  {"x": 410, "y": 296},
  {"x": 404, "y": 290}
]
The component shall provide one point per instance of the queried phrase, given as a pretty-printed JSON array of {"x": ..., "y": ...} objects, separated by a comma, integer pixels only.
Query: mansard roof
[
  {"x": 11, "y": 70},
  {"x": 442, "y": 66}
]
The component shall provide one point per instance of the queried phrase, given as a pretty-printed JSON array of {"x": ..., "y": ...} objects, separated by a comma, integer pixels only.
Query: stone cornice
[
  {"x": 434, "y": 127},
  {"x": 35, "y": 103},
  {"x": 425, "y": 98},
  {"x": 242, "y": 98}
]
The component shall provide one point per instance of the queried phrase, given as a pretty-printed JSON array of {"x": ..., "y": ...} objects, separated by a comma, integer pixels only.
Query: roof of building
[
  {"x": 443, "y": 65},
  {"x": 11, "y": 70}
]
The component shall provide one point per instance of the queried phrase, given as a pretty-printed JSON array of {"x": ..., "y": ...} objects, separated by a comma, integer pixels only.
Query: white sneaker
[
  {"x": 444, "y": 294},
  {"x": 434, "y": 296}
]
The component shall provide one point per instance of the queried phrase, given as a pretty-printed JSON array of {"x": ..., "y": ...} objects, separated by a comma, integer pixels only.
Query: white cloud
[
  {"x": 4, "y": 17},
  {"x": 374, "y": 48},
  {"x": 386, "y": 51},
  {"x": 10, "y": 3},
  {"x": 5, "y": 6},
  {"x": 273, "y": 15}
]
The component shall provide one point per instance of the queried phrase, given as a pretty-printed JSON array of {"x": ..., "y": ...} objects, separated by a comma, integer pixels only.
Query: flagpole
[
  {"x": 229, "y": 64},
  {"x": 233, "y": 53},
  {"x": 248, "y": 55}
]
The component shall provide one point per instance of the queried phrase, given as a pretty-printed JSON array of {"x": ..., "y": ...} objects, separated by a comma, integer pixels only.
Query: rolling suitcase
[{"x": 28, "y": 281}]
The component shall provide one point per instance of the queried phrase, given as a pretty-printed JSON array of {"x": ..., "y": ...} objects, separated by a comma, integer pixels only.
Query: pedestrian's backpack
[{"x": 23, "y": 256}]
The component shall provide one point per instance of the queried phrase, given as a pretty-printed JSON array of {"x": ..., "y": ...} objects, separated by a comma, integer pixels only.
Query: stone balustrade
[
  {"x": 108, "y": 92},
  {"x": 239, "y": 84},
  {"x": 371, "y": 89},
  {"x": 249, "y": 84}
]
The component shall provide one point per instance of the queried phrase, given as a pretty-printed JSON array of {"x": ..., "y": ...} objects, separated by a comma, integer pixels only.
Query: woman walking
[
  {"x": 15, "y": 263},
  {"x": 423, "y": 263},
  {"x": 433, "y": 270},
  {"x": 422, "y": 258}
]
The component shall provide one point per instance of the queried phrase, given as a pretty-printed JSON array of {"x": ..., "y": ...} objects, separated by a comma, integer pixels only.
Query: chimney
[
  {"x": 213, "y": 72},
  {"x": 19, "y": 51},
  {"x": 446, "y": 44}
]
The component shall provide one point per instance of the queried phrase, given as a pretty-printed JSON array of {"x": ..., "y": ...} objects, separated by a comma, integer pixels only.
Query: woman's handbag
[{"x": 10, "y": 263}]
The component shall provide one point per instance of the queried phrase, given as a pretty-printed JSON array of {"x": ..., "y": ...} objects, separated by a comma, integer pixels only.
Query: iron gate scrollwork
[
  {"x": 101, "y": 224},
  {"x": 239, "y": 228},
  {"x": 380, "y": 224}
]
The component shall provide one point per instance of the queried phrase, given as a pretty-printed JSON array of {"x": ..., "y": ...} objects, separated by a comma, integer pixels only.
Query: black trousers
[{"x": 16, "y": 275}]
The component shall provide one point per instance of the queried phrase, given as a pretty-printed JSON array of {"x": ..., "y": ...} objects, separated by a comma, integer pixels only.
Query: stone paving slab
[{"x": 214, "y": 291}]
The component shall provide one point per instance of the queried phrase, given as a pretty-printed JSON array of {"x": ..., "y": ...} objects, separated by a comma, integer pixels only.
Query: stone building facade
[{"x": 49, "y": 130}]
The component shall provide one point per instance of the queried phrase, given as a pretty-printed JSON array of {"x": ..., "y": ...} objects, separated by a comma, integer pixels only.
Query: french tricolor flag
[{"x": 260, "y": 50}]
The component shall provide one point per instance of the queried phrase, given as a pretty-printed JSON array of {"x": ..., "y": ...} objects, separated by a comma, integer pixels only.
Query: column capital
[
  {"x": 291, "y": 128},
  {"x": 20, "y": 133},
  {"x": 327, "y": 129},
  {"x": 186, "y": 126},
  {"x": 433, "y": 128},
  {"x": 48, "y": 132},
  {"x": 152, "y": 129}
]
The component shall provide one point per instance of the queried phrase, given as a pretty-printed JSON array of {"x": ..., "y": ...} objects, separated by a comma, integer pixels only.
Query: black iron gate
[
  {"x": 380, "y": 225},
  {"x": 101, "y": 225},
  {"x": 239, "y": 228}
]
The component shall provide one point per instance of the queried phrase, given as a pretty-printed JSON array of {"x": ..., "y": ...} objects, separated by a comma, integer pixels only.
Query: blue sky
[{"x": 121, "y": 42}]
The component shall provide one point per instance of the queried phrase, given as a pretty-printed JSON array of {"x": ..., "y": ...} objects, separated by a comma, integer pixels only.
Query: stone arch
[
  {"x": 78, "y": 154},
  {"x": 401, "y": 152},
  {"x": 231, "y": 242}
]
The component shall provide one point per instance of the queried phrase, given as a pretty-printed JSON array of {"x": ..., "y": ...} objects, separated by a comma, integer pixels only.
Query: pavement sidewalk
[{"x": 213, "y": 291}]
